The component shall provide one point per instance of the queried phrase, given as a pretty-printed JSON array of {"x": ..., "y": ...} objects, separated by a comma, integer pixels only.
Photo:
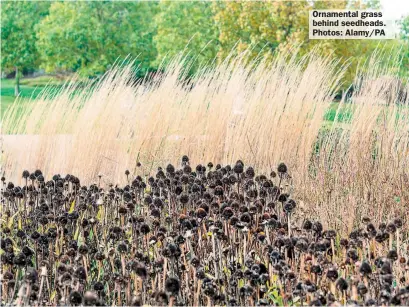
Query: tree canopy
[
  {"x": 186, "y": 27},
  {"x": 18, "y": 36},
  {"x": 87, "y": 37}
]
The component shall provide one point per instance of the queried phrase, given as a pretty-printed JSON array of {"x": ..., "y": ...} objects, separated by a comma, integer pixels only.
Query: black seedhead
[{"x": 172, "y": 285}]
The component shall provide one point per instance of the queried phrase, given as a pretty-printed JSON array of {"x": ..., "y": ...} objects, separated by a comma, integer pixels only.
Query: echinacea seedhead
[
  {"x": 317, "y": 227},
  {"x": 365, "y": 269},
  {"x": 98, "y": 286},
  {"x": 391, "y": 228},
  {"x": 172, "y": 285},
  {"x": 316, "y": 269},
  {"x": 342, "y": 284},
  {"x": 332, "y": 274},
  {"x": 245, "y": 218},
  {"x": 75, "y": 298},
  {"x": 283, "y": 197},
  {"x": 398, "y": 223},
  {"x": 261, "y": 236},
  {"x": 381, "y": 237},
  {"x": 353, "y": 254},
  {"x": 122, "y": 247},
  {"x": 80, "y": 273},
  {"x": 184, "y": 198},
  {"x": 307, "y": 225},
  {"x": 392, "y": 255},
  {"x": 209, "y": 290},
  {"x": 386, "y": 268},
  {"x": 31, "y": 275},
  {"x": 187, "y": 170},
  {"x": 141, "y": 270},
  {"x": 289, "y": 206},
  {"x": 246, "y": 290},
  {"x": 20, "y": 259},
  {"x": 26, "y": 174},
  {"x": 145, "y": 229},
  {"x": 238, "y": 168},
  {"x": 301, "y": 245},
  {"x": 250, "y": 173},
  {"x": 366, "y": 220},
  {"x": 282, "y": 168},
  {"x": 83, "y": 249},
  {"x": 370, "y": 302}
]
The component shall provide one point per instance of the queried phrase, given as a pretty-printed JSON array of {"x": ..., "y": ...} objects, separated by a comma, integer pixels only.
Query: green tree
[
  {"x": 404, "y": 26},
  {"x": 260, "y": 26},
  {"x": 18, "y": 48},
  {"x": 88, "y": 37},
  {"x": 266, "y": 26},
  {"x": 186, "y": 26},
  {"x": 352, "y": 51}
]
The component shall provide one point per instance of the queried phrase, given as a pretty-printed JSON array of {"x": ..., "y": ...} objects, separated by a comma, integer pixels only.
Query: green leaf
[
  {"x": 80, "y": 239},
  {"x": 275, "y": 278},
  {"x": 99, "y": 214},
  {"x": 275, "y": 297},
  {"x": 77, "y": 231},
  {"x": 72, "y": 207},
  {"x": 11, "y": 220}
]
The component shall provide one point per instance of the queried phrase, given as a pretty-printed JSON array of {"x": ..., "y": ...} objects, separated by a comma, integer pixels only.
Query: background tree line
[{"x": 88, "y": 37}]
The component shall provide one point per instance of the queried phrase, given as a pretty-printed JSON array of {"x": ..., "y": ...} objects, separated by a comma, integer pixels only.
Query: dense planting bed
[{"x": 195, "y": 235}]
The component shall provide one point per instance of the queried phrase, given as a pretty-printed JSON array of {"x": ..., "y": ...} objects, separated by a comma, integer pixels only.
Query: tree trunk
[{"x": 17, "y": 85}]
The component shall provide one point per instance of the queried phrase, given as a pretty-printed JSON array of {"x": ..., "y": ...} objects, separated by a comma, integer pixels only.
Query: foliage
[
  {"x": 260, "y": 26},
  {"x": 88, "y": 37},
  {"x": 18, "y": 20},
  {"x": 354, "y": 52},
  {"x": 91, "y": 36},
  {"x": 186, "y": 26},
  {"x": 405, "y": 28},
  {"x": 405, "y": 45},
  {"x": 264, "y": 27}
]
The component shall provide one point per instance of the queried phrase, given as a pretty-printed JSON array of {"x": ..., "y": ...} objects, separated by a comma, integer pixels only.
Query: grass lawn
[
  {"x": 7, "y": 93},
  {"x": 344, "y": 114},
  {"x": 29, "y": 88}
]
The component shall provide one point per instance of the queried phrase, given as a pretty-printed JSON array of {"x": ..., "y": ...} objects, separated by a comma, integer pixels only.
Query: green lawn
[
  {"x": 344, "y": 114},
  {"x": 7, "y": 93},
  {"x": 29, "y": 88}
]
